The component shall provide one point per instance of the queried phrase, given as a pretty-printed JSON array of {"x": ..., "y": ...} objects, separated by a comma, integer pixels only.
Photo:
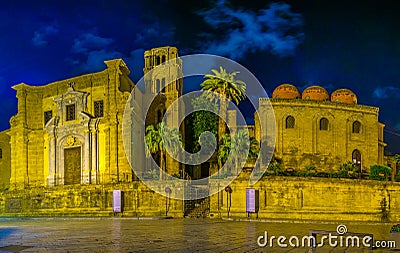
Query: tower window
[
  {"x": 163, "y": 85},
  {"x": 1, "y": 153},
  {"x": 47, "y": 116},
  {"x": 290, "y": 121},
  {"x": 98, "y": 108},
  {"x": 323, "y": 124},
  {"x": 163, "y": 59},
  {"x": 70, "y": 112},
  {"x": 356, "y": 127},
  {"x": 158, "y": 60}
]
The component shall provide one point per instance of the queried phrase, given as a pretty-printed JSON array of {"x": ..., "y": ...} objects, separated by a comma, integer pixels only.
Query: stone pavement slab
[{"x": 165, "y": 235}]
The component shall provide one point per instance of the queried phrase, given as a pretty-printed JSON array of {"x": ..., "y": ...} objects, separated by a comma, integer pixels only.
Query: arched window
[
  {"x": 158, "y": 86},
  {"x": 163, "y": 59},
  {"x": 163, "y": 84},
  {"x": 356, "y": 127},
  {"x": 158, "y": 60},
  {"x": 323, "y": 124},
  {"x": 290, "y": 122},
  {"x": 356, "y": 158},
  {"x": 1, "y": 153}
]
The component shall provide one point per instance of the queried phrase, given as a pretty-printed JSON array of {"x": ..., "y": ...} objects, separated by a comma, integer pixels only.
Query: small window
[
  {"x": 290, "y": 121},
  {"x": 70, "y": 112},
  {"x": 1, "y": 153},
  {"x": 98, "y": 108},
  {"x": 356, "y": 127},
  {"x": 323, "y": 124},
  {"x": 47, "y": 116}
]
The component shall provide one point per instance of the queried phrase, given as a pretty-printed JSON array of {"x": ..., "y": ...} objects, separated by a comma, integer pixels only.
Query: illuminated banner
[
  {"x": 251, "y": 200},
  {"x": 117, "y": 207}
]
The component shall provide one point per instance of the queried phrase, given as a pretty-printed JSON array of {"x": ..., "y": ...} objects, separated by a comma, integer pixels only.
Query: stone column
[
  {"x": 51, "y": 178},
  {"x": 86, "y": 159},
  {"x": 93, "y": 171}
]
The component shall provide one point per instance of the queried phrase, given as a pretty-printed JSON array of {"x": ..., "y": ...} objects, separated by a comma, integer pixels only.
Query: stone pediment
[{"x": 71, "y": 97}]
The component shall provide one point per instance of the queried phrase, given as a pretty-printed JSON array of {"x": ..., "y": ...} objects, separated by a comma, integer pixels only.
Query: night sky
[{"x": 335, "y": 44}]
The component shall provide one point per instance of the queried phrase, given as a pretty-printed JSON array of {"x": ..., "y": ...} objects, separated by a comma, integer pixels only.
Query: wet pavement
[{"x": 163, "y": 235}]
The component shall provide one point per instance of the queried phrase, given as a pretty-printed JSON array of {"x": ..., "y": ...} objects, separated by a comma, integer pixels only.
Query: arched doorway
[{"x": 356, "y": 158}]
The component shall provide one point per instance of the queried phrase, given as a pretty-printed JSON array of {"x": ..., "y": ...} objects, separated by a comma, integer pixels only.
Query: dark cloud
[
  {"x": 40, "y": 37},
  {"x": 88, "y": 42},
  {"x": 237, "y": 31},
  {"x": 383, "y": 92}
]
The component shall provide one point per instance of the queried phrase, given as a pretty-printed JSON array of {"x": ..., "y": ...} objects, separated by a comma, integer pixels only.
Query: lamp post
[
  {"x": 167, "y": 199},
  {"x": 228, "y": 190}
]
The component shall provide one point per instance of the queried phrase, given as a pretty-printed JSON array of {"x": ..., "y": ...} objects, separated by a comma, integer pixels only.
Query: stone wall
[
  {"x": 88, "y": 200},
  {"x": 304, "y": 144},
  {"x": 314, "y": 199}
]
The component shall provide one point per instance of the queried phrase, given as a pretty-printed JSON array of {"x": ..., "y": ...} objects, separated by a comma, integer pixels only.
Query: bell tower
[{"x": 164, "y": 78}]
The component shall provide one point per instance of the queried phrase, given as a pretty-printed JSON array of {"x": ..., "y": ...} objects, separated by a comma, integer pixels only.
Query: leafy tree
[
  {"x": 237, "y": 145},
  {"x": 226, "y": 85},
  {"x": 204, "y": 120},
  {"x": 160, "y": 138}
]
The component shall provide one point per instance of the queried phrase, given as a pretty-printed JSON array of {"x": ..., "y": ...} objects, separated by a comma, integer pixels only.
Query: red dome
[
  {"x": 344, "y": 96},
  {"x": 286, "y": 91},
  {"x": 315, "y": 93}
]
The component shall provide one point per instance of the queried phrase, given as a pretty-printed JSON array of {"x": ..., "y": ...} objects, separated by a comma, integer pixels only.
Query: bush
[
  {"x": 275, "y": 169},
  {"x": 347, "y": 170},
  {"x": 308, "y": 171},
  {"x": 379, "y": 172}
]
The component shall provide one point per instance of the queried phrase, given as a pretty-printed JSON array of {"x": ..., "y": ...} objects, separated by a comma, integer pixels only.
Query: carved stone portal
[{"x": 73, "y": 143}]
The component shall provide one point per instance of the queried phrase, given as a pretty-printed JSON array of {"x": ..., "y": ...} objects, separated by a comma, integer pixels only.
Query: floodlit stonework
[
  {"x": 322, "y": 132},
  {"x": 64, "y": 153},
  {"x": 69, "y": 132}
]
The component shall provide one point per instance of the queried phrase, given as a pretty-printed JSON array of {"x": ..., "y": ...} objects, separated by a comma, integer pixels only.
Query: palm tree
[
  {"x": 224, "y": 149},
  {"x": 236, "y": 146},
  {"x": 159, "y": 139},
  {"x": 226, "y": 85}
]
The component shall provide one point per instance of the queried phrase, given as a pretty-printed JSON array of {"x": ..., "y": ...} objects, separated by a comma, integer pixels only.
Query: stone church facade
[
  {"x": 322, "y": 130},
  {"x": 70, "y": 132}
]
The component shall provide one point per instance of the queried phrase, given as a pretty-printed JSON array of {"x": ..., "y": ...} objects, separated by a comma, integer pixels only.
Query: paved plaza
[{"x": 162, "y": 235}]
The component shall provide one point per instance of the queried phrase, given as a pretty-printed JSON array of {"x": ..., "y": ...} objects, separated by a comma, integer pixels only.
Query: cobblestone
[{"x": 165, "y": 235}]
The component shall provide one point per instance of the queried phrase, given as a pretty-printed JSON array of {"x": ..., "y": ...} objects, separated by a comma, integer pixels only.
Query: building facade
[
  {"x": 70, "y": 132},
  {"x": 322, "y": 130}
]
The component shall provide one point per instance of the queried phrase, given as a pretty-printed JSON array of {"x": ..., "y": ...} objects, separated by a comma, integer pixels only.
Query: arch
[
  {"x": 290, "y": 121},
  {"x": 323, "y": 124},
  {"x": 163, "y": 59},
  {"x": 356, "y": 158},
  {"x": 356, "y": 129},
  {"x": 158, "y": 60}
]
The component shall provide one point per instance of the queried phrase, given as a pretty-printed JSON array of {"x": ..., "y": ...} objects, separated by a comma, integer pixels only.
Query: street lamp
[
  {"x": 228, "y": 190},
  {"x": 167, "y": 200}
]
